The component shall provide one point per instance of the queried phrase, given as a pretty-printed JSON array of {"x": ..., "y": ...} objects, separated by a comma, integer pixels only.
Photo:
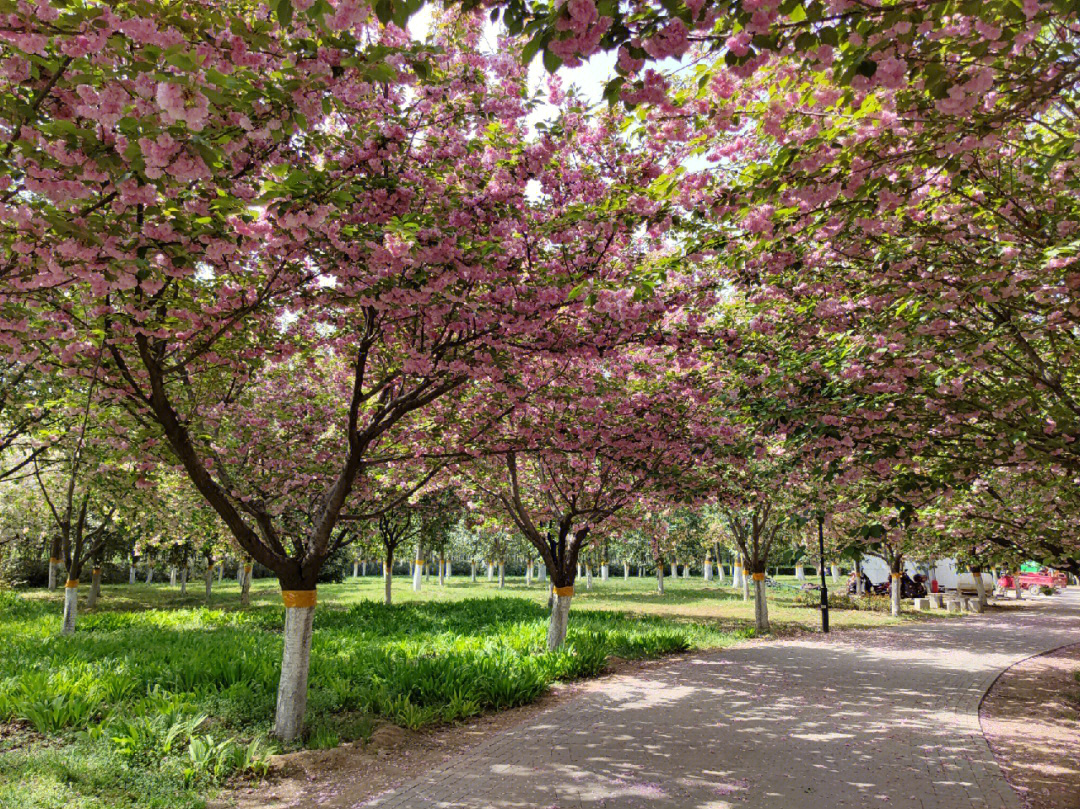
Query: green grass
[{"x": 157, "y": 699}]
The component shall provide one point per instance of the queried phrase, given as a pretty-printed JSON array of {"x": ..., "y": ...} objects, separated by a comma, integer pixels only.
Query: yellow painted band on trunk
[
  {"x": 896, "y": 575},
  {"x": 54, "y": 561},
  {"x": 95, "y": 571},
  {"x": 564, "y": 591},
  {"x": 758, "y": 576},
  {"x": 247, "y": 568},
  {"x": 298, "y": 598},
  {"x": 71, "y": 583},
  {"x": 419, "y": 561}
]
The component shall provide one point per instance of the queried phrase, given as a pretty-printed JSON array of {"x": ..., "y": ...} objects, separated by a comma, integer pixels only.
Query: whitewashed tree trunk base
[
  {"x": 418, "y": 577},
  {"x": 54, "y": 568},
  {"x": 71, "y": 609},
  {"x": 131, "y": 574},
  {"x": 502, "y": 575},
  {"x": 295, "y": 662},
  {"x": 560, "y": 615},
  {"x": 388, "y": 581},
  {"x": 95, "y": 589},
  {"x": 172, "y": 576},
  {"x": 761, "y": 606}
]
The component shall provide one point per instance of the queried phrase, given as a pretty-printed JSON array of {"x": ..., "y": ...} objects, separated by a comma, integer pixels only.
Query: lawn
[{"x": 157, "y": 699}]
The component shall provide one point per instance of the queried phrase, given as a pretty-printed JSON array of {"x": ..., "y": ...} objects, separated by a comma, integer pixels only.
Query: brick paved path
[{"x": 883, "y": 718}]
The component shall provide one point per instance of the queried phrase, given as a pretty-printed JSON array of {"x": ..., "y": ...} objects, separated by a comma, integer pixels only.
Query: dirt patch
[{"x": 1031, "y": 718}]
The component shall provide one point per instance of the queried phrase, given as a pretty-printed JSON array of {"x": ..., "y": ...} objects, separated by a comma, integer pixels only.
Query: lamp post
[{"x": 821, "y": 570}]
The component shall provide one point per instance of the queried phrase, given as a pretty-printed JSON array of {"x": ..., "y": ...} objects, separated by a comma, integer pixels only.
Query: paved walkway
[{"x": 866, "y": 719}]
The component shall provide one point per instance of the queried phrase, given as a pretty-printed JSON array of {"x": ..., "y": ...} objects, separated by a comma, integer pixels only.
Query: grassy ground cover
[{"x": 157, "y": 699}]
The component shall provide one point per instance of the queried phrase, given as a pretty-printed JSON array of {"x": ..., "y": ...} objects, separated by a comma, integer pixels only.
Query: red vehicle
[{"x": 1043, "y": 578}]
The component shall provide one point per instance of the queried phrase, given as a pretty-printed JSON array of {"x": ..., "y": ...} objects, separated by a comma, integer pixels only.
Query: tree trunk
[
  {"x": 245, "y": 586},
  {"x": 626, "y": 571},
  {"x": 541, "y": 572},
  {"x": 502, "y": 575},
  {"x": 295, "y": 663},
  {"x": 442, "y": 571},
  {"x": 209, "y": 582},
  {"x": 588, "y": 577},
  {"x": 149, "y": 573},
  {"x": 686, "y": 571},
  {"x": 95, "y": 588},
  {"x": 528, "y": 573},
  {"x": 707, "y": 571},
  {"x": 604, "y": 572},
  {"x": 388, "y": 581},
  {"x": 897, "y": 574},
  {"x": 363, "y": 568},
  {"x": 660, "y": 578},
  {"x": 560, "y": 615},
  {"x": 761, "y": 604},
  {"x": 183, "y": 580},
  {"x": 835, "y": 573},
  {"x": 736, "y": 574},
  {"x": 800, "y": 572},
  {"x": 418, "y": 575},
  {"x": 674, "y": 570},
  {"x": 220, "y": 572},
  {"x": 355, "y": 569},
  {"x": 71, "y": 606},
  {"x": 1016, "y": 586},
  {"x": 745, "y": 583},
  {"x": 131, "y": 574},
  {"x": 980, "y": 586},
  {"x": 172, "y": 576},
  {"x": 491, "y": 570},
  {"x": 719, "y": 573},
  {"x": 472, "y": 571},
  {"x": 54, "y": 573}
]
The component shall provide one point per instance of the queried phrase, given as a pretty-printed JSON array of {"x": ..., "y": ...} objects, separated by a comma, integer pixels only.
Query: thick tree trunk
[
  {"x": 388, "y": 581},
  {"x": 980, "y": 586},
  {"x": 54, "y": 573},
  {"x": 800, "y": 572},
  {"x": 71, "y": 607},
  {"x": 209, "y": 582},
  {"x": 686, "y": 571},
  {"x": 761, "y": 604},
  {"x": 245, "y": 585},
  {"x": 835, "y": 573},
  {"x": 674, "y": 570},
  {"x": 355, "y": 569},
  {"x": 502, "y": 575},
  {"x": 472, "y": 571},
  {"x": 172, "y": 576},
  {"x": 418, "y": 575},
  {"x": 707, "y": 574},
  {"x": 660, "y": 578},
  {"x": 295, "y": 663},
  {"x": 605, "y": 571},
  {"x": 183, "y": 580},
  {"x": 131, "y": 574},
  {"x": 491, "y": 570},
  {"x": 737, "y": 575},
  {"x": 560, "y": 616},
  {"x": 626, "y": 571},
  {"x": 95, "y": 588},
  {"x": 541, "y": 572}
]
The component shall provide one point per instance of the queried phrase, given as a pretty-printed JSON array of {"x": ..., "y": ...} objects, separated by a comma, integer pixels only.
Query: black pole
[{"x": 821, "y": 569}]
